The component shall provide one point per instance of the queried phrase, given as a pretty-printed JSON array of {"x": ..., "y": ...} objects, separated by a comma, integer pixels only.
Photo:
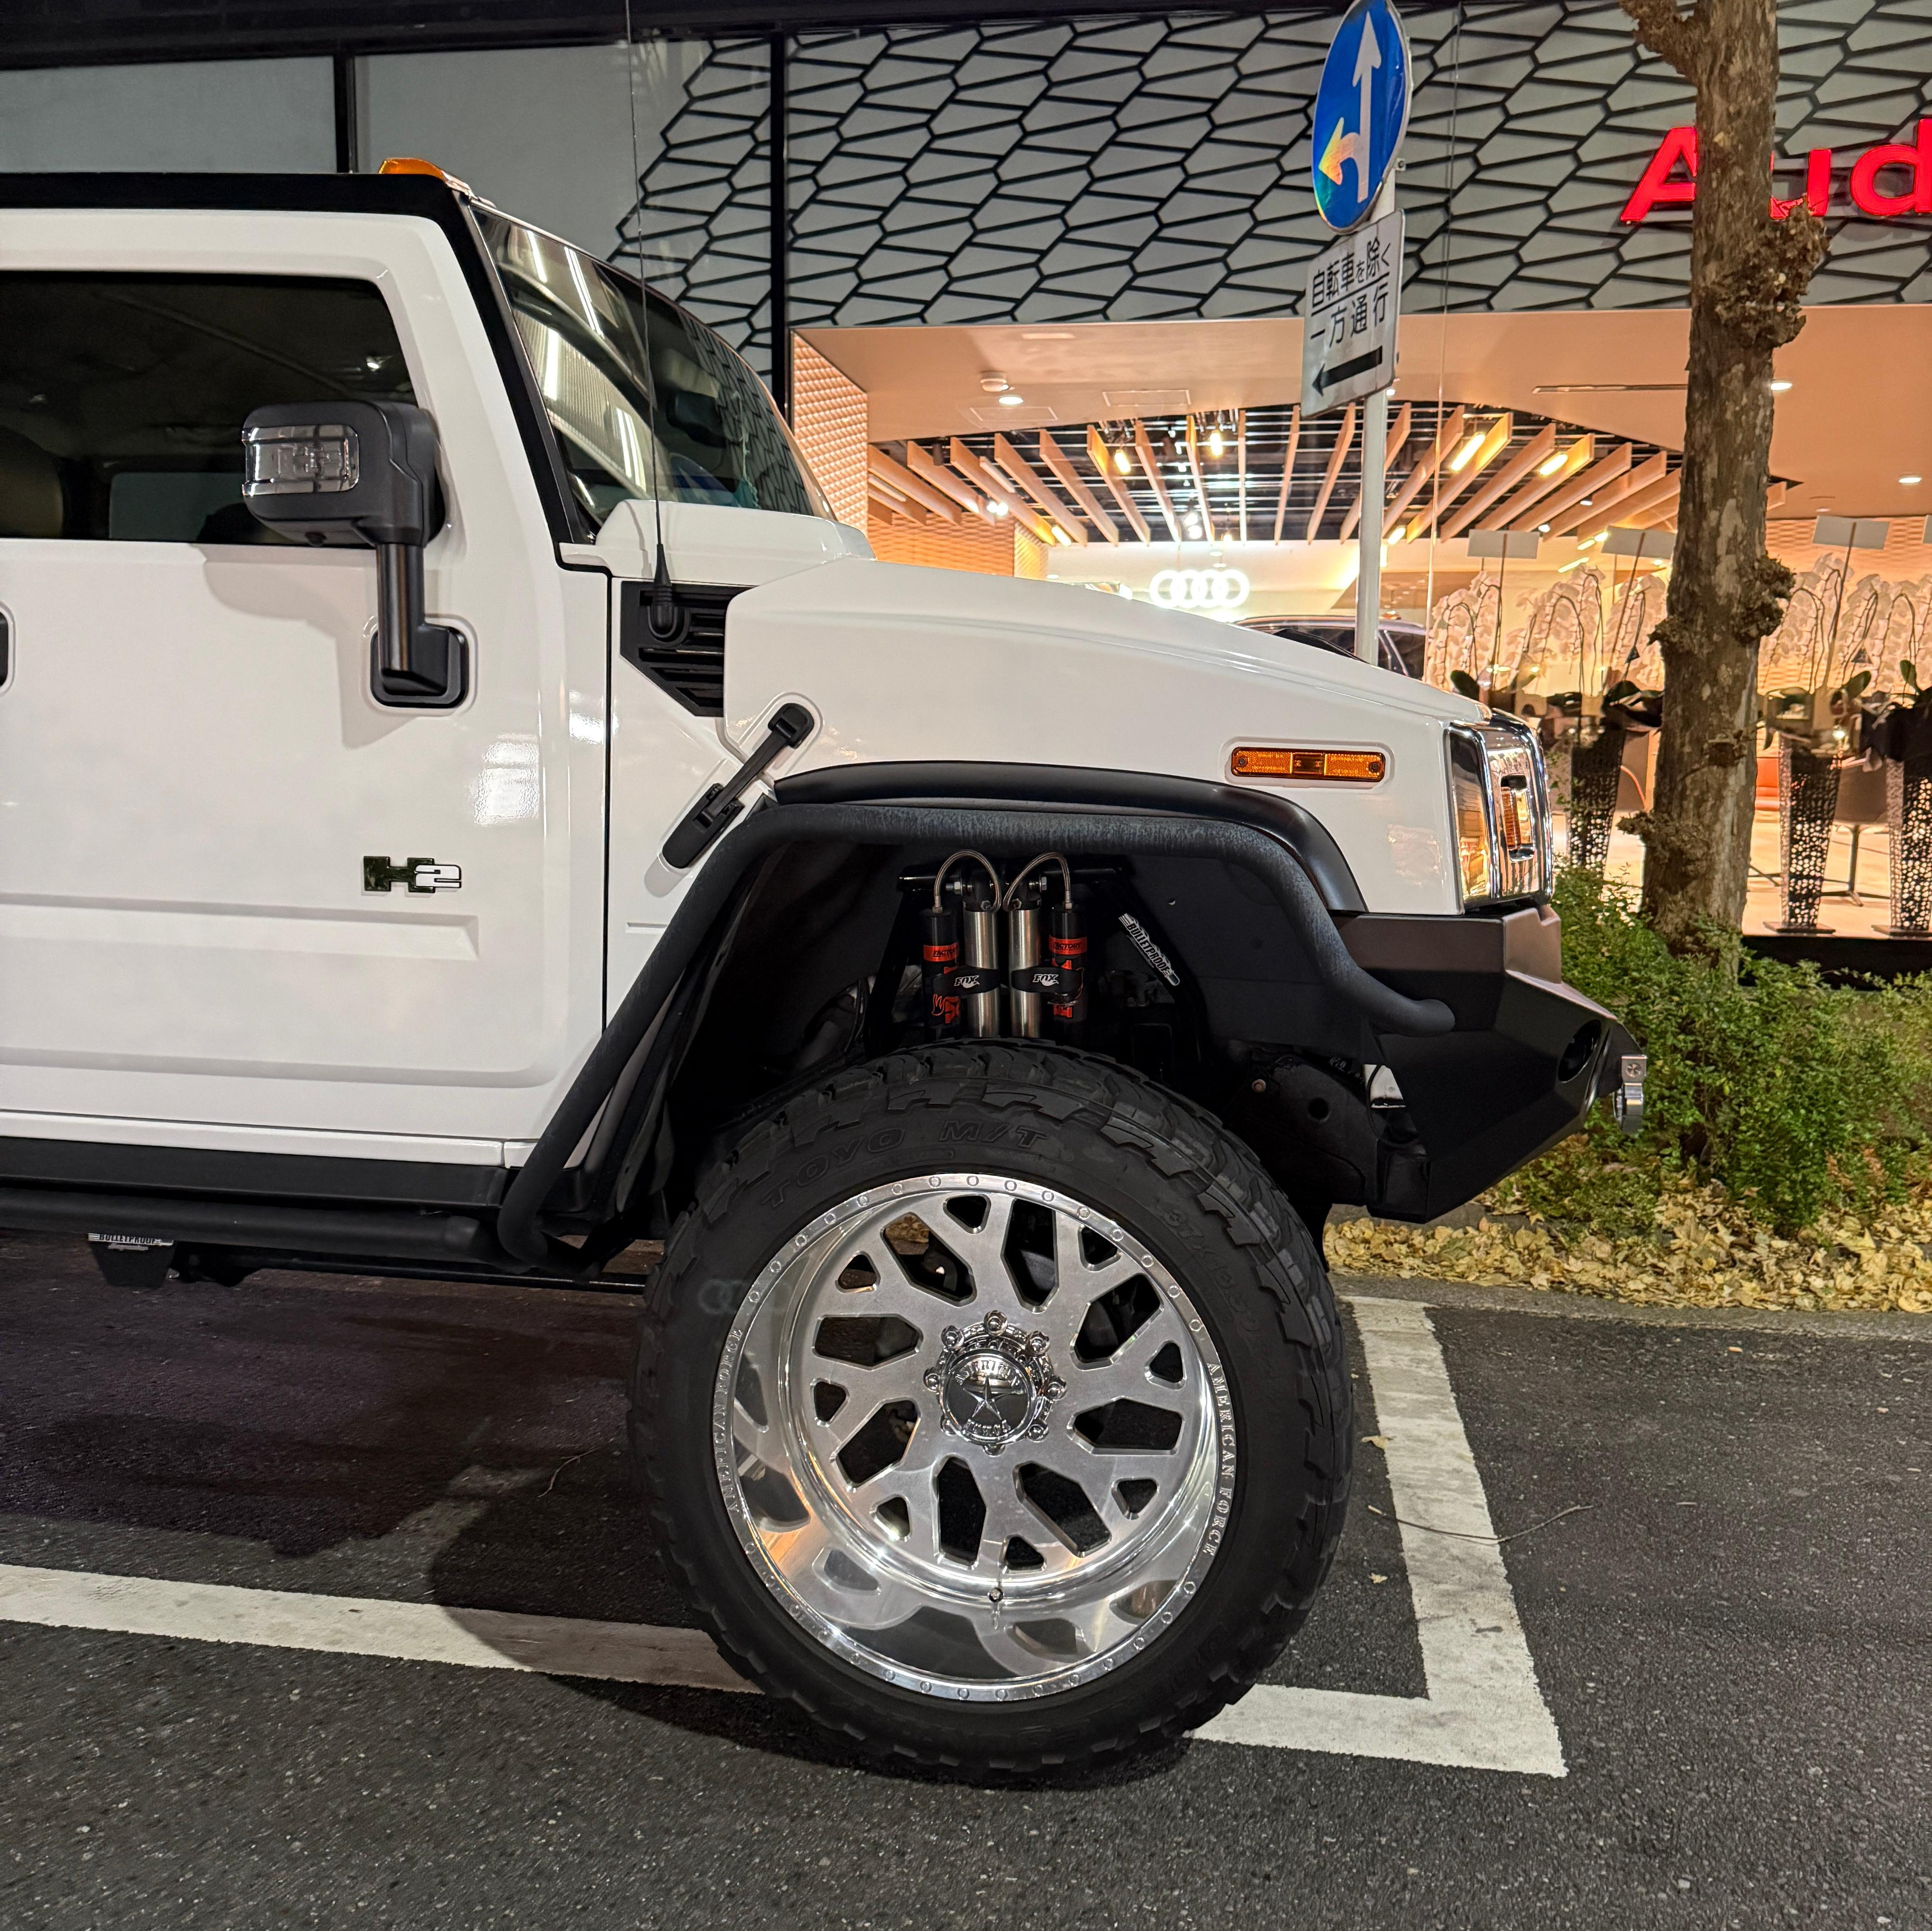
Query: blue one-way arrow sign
[{"x": 1361, "y": 112}]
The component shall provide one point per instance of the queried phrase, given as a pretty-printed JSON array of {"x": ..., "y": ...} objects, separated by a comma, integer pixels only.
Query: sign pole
[
  {"x": 1375, "y": 487},
  {"x": 1354, "y": 288},
  {"x": 1375, "y": 495}
]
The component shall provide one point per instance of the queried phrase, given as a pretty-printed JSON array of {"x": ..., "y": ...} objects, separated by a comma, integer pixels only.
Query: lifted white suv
[{"x": 468, "y": 808}]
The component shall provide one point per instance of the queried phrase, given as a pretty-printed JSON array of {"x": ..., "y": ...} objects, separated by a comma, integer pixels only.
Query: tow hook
[{"x": 1628, "y": 1101}]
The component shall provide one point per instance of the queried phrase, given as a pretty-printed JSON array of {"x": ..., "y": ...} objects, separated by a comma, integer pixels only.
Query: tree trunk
[{"x": 1748, "y": 272}]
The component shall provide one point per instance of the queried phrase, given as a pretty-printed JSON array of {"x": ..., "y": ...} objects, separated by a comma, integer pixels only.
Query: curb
[{"x": 1557, "y": 1304}]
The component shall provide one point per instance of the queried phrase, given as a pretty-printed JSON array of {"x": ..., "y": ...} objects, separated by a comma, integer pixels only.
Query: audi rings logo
[{"x": 1214, "y": 590}]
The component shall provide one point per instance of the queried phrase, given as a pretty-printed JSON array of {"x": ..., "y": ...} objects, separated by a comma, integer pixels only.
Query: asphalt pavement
[{"x": 1728, "y": 1604}]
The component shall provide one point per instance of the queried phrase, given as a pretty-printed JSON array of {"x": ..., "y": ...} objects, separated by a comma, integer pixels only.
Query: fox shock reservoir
[{"x": 980, "y": 942}]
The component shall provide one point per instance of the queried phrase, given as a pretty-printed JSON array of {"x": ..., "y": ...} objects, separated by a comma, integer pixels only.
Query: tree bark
[{"x": 1748, "y": 272}]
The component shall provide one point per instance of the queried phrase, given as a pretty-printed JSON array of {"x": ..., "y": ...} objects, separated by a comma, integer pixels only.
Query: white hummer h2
[{"x": 466, "y": 809}]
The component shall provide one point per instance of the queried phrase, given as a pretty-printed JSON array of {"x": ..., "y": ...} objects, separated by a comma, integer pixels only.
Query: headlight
[{"x": 1501, "y": 807}]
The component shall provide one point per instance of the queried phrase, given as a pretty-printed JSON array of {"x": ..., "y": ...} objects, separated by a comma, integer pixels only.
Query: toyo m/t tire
[{"x": 994, "y": 1408}]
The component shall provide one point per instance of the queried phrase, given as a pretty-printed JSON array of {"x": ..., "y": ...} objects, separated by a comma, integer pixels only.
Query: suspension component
[
  {"x": 976, "y": 979},
  {"x": 1067, "y": 948},
  {"x": 1022, "y": 910},
  {"x": 998, "y": 959},
  {"x": 1060, "y": 982},
  {"x": 939, "y": 947}
]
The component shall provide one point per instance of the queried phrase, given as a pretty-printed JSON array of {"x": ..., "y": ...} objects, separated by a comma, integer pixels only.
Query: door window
[{"x": 122, "y": 396}]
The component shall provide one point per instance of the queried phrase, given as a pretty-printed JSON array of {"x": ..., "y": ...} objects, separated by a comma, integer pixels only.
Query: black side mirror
[{"x": 356, "y": 475}]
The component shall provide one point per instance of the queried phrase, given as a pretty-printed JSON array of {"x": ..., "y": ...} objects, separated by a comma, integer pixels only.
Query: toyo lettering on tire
[{"x": 1016, "y": 1436}]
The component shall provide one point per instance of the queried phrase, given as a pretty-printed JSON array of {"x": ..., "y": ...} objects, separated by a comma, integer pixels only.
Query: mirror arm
[
  {"x": 399, "y": 611},
  {"x": 413, "y": 657}
]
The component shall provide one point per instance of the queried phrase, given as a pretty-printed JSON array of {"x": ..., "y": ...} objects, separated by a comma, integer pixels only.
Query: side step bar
[{"x": 453, "y": 1237}]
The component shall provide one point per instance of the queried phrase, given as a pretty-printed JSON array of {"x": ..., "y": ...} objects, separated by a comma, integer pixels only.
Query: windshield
[{"x": 584, "y": 326}]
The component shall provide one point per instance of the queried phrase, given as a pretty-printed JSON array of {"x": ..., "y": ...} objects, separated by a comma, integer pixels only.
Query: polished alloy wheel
[{"x": 974, "y": 1437}]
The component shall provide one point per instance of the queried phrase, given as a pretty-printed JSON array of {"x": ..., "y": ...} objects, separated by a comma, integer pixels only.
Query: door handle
[{"x": 691, "y": 836}]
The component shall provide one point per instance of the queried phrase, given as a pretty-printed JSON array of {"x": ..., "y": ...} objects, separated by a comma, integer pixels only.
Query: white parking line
[
  {"x": 1483, "y": 1711},
  {"x": 213, "y": 1612}
]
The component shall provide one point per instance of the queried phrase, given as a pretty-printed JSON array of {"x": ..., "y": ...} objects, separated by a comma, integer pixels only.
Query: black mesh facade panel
[{"x": 1125, "y": 168}]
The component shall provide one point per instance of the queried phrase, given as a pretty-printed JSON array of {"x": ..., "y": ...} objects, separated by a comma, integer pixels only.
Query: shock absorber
[
  {"x": 939, "y": 946},
  {"x": 1067, "y": 949},
  {"x": 975, "y": 981},
  {"x": 1022, "y": 911},
  {"x": 1060, "y": 983}
]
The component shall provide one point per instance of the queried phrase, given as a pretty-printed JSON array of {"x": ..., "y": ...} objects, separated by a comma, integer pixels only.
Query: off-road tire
[{"x": 1163, "y": 1170}]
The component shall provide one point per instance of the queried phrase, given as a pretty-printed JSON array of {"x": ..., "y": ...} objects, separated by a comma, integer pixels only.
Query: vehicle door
[{"x": 215, "y": 925}]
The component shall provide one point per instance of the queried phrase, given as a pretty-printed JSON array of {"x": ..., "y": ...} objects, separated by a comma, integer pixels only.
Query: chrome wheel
[{"x": 974, "y": 1437}]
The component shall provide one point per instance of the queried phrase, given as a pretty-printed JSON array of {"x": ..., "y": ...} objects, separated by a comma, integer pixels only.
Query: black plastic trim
[
  {"x": 280, "y": 1178},
  {"x": 91, "y": 32},
  {"x": 1088, "y": 832},
  {"x": 422, "y": 196},
  {"x": 371, "y": 1231},
  {"x": 691, "y": 670},
  {"x": 966, "y": 784}
]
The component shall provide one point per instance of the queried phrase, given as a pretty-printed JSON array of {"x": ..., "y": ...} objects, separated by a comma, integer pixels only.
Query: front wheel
[{"x": 994, "y": 1407}]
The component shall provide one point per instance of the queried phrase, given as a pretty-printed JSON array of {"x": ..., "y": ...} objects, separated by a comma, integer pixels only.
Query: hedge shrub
[{"x": 1795, "y": 1096}]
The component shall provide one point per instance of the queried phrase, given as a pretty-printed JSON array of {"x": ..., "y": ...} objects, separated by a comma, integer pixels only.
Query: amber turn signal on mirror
[{"x": 1356, "y": 767}]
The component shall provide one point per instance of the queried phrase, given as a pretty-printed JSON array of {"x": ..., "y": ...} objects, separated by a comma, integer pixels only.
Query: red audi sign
[{"x": 1670, "y": 181}]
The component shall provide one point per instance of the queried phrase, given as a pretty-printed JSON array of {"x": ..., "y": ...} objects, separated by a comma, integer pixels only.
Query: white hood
[{"x": 900, "y": 663}]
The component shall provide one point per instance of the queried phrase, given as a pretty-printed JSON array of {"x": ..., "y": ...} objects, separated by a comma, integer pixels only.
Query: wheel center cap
[{"x": 995, "y": 1383}]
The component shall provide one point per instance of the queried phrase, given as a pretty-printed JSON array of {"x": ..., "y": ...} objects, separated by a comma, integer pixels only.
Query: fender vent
[{"x": 691, "y": 669}]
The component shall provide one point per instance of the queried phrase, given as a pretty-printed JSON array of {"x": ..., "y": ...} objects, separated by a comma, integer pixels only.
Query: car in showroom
[
  {"x": 1400, "y": 644},
  {"x": 471, "y": 810}
]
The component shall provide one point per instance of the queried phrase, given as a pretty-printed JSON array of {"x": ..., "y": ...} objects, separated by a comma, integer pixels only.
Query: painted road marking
[
  {"x": 1483, "y": 1711},
  {"x": 364, "y": 1626}
]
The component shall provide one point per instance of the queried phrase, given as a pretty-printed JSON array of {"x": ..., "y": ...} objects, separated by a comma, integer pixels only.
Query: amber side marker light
[{"x": 1356, "y": 767}]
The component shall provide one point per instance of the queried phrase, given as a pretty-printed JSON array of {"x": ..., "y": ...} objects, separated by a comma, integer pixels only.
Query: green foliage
[{"x": 1795, "y": 1095}]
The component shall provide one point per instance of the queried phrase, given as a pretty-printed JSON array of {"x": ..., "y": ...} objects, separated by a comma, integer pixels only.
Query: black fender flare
[
  {"x": 1091, "y": 833},
  {"x": 1089, "y": 788}
]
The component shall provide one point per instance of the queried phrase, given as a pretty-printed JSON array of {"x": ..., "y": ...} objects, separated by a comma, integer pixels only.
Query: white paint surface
[
  {"x": 359, "y": 1626},
  {"x": 1483, "y": 1711}
]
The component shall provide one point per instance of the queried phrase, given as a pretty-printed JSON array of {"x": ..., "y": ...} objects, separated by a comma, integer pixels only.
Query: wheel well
[
  {"x": 795, "y": 897},
  {"x": 819, "y": 968}
]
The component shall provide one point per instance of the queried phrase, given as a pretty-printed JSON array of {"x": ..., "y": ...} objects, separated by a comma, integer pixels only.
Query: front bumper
[{"x": 1528, "y": 1059}]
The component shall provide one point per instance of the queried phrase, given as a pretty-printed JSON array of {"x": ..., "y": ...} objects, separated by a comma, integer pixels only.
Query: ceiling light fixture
[
  {"x": 1777, "y": 389},
  {"x": 1217, "y": 444},
  {"x": 1555, "y": 463},
  {"x": 1124, "y": 462},
  {"x": 1465, "y": 455},
  {"x": 1011, "y": 400},
  {"x": 1912, "y": 482}
]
